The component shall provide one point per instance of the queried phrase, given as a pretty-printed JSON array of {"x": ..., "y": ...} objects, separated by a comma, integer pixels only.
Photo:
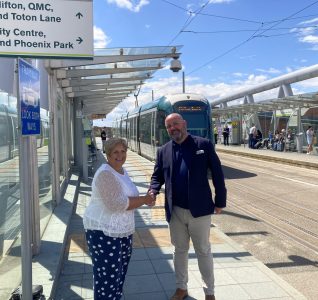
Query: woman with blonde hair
[{"x": 109, "y": 221}]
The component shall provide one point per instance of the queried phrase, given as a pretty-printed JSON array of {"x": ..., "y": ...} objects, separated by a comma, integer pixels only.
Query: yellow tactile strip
[
  {"x": 143, "y": 238},
  {"x": 151, "y": 237},
  {"x": 77, "y": 243},
  {"x": 160, "y": 237},
  {"x": 158, "y": 214}
]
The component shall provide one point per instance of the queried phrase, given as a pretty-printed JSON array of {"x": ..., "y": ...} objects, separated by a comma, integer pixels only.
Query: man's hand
[{"x": 153, "y": 197}]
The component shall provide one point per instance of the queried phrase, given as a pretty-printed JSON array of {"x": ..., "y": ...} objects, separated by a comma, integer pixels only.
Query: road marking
[{"x": 295, "y": 180}]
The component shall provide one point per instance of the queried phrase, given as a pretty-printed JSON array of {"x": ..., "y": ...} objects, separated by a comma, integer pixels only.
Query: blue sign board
[{"x": 29, "y": 94}]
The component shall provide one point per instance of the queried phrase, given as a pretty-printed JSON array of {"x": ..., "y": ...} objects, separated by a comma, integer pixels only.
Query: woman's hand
[{"x": 150, "y": 198}]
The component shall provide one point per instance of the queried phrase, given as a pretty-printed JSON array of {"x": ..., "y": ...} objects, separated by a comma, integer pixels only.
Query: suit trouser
[
  {"x": 104, "y": 144},
  {"x": 183, "y": 226}
]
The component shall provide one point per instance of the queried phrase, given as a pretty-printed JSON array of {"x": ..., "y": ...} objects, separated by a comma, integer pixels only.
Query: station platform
[
  {"x": 64, "y": 266},
  {"x": 284, "y": 157}
]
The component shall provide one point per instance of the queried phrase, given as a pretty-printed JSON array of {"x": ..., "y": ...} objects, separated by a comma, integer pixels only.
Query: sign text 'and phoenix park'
[{"x": 46, "y": 28}]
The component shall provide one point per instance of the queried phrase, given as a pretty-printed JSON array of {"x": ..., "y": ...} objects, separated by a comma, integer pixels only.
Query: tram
[{"x": 144, "y": 127}]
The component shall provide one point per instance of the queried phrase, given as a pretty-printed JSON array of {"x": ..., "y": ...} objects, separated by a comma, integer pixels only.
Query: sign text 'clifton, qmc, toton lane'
[
  {"x": 37, "y": 28},
  {"x": 30, "y": 5}
]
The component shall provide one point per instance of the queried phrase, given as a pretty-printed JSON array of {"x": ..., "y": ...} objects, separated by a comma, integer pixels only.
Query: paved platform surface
[{"x": 68, "y": 274}]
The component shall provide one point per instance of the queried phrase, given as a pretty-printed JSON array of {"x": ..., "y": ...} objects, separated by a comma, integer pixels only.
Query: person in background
[
  {"x": 109, "y": 221},
  {"x": 259, "y": 135},
  {"x": 226, "y": 134},
  {"x": 310, "y": 139},
  {"x": 252, "y": 135},
  {"x": 215, "y": 132},
  {"x": 183, "y": 165},
  {"x": 269, "y": 141},
  {"x": 289, "y": 141},
  {"x": 103, "y": 136}
]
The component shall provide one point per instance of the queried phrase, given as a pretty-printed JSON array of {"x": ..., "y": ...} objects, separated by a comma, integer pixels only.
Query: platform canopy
[
  {"x": 114, "y": 74},
  {"x": 301, "y": 100}
]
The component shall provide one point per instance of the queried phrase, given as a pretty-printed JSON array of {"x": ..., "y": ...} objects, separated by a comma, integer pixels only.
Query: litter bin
[{"x": 299, "y": 142}]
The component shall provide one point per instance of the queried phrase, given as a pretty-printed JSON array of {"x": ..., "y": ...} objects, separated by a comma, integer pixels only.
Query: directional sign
[
  {"x": 59, "y": 28},
  {"x": 29, "y": 94}
]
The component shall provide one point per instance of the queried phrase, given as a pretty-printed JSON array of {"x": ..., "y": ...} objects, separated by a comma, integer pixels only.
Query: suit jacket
[{"x": 202, "y": 159}]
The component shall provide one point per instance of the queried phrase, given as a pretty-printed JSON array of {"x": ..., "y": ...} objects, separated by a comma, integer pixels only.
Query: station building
[{"x": 288, "y": 115}]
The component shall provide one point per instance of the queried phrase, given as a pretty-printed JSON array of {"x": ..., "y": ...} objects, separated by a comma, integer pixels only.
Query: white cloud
[
  {"x": 270, "y": 71},
  {"x": 289, "y": 69},
  {"x": 101, "y": 40},
  {"x": 308, "y": 34},
  {"x": 212, "y": 90},
  {"x": 173, "y": 84},
  {"x": 131, "y": 5},
  {"x": 308, "y": 84},
  {"x": 315, "y": 20},
  {"x": 311, "y": 39},
  {"x": 248, "y": 57},
  {"x": 219, "y": 1},
  {"x": 147, "y": 26},
  {"x": 238, "y": 74}
]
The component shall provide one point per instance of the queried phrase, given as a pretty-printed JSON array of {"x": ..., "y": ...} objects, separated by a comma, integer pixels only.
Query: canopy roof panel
[
  {"x": 114, "y": 73},
  {"x": 302, "y": 100}
]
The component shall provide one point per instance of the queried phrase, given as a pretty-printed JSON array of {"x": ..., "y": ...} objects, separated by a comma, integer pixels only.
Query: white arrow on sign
[{"x": 59, "y": 28}]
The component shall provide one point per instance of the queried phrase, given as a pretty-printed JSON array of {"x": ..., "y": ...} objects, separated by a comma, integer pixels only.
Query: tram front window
[
  {"x": 198, "y": 132},
  {"x": 197, "y": 124}
]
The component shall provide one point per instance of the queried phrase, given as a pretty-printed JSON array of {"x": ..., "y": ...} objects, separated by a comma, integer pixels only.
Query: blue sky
[{"x": 227, "y": 44}]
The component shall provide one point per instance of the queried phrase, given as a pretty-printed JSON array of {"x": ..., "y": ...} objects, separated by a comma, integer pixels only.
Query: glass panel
[
  {"x": 145, "y": 134},
  {"x": 61, "y": 137},
  {"x": 44, "y": 170},
  {"x": 10, "y": 226},
  {"x": 161, "y": 132},
  {"x": 309, "y": 117},
  {"x": 3, "y": 98}
]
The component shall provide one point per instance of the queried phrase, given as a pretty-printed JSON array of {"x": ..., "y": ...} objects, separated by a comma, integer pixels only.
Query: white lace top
[{"x": 107, "y": 210}]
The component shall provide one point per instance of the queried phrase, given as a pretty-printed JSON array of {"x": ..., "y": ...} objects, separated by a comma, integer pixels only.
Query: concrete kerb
[
  {"x": 46, "y": 267},
  {"x": 289, "y": 161}
]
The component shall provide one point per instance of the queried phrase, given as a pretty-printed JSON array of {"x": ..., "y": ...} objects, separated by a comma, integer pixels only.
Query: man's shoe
[
  {"x": 209, "y": 297},
  {"x": 179, "y": 294}
]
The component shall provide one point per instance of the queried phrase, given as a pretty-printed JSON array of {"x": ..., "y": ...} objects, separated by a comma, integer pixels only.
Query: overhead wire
[
  {"x": 233, "y": 18},
  {"x": 206, "y": 14},
  {"x": 251, "y": 37},
  {"x": 226, "y": 52},
  {"x": 246, "y": 30},
  {"x": 189, "y": 20}
]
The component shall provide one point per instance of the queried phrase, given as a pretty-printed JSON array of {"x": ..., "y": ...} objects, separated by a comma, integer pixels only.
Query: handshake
[{"x": 150, "y": 198}]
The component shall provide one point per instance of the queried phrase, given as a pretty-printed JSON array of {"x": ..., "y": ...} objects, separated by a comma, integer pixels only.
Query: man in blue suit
[{"x": 182, "y": 165}]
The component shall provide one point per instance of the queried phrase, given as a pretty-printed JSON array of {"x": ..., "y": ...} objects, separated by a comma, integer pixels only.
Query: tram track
[
  {"x": 270, "y": 208},
  {"x": 271, "y": 168},
  {"x": 298, "y": 222},
  {"x": 302, "y": 212},
  {"x": 272, "y": 222}
]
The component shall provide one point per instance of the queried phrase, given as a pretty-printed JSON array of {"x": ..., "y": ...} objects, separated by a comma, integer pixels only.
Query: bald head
[{"x": 176, "y": 127}]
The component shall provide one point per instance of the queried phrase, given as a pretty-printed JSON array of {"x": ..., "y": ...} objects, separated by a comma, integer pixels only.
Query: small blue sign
[{"x": 29, "y": 93}]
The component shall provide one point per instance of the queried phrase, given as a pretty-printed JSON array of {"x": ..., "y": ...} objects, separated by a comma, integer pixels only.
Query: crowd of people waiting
[{"x": 280, "y": 140}]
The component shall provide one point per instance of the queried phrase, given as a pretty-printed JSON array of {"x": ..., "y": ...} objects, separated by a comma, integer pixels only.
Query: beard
[{"x": 177, "y": 135}]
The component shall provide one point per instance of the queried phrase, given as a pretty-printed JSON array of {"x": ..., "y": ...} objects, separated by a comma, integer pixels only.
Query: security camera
[{"x": 175, "y": 65}]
